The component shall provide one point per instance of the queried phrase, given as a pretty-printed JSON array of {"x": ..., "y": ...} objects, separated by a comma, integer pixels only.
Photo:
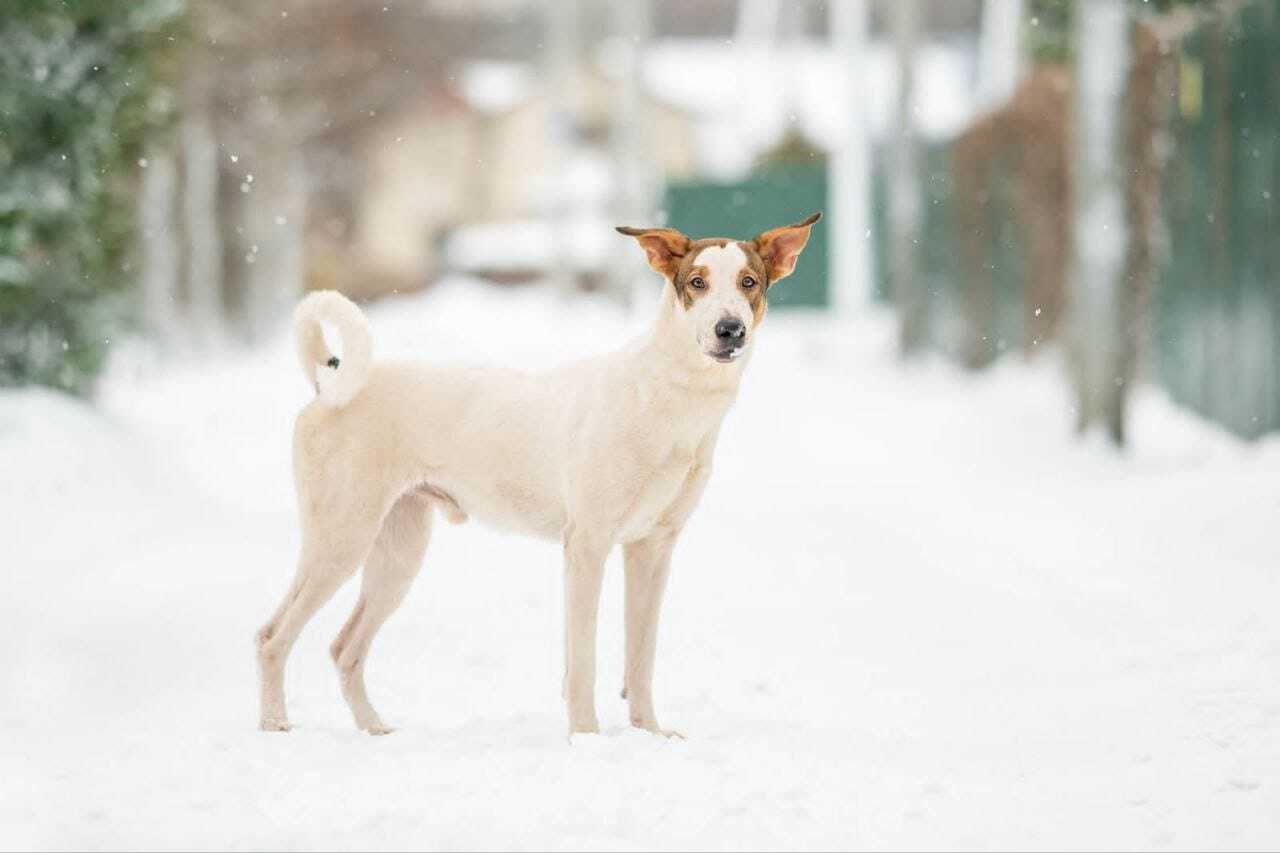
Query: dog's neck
[{"x": 677, "y": 358}]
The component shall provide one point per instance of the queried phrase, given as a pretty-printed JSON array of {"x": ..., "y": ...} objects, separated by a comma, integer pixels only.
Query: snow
[{"x": 912, "y": 612}]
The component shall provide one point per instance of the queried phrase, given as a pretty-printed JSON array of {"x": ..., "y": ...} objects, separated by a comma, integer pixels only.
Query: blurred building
[
  {"x": 480, "y": 172},
  {"x": 466, "y": 182},
  {"x": 373, "y": 148}
]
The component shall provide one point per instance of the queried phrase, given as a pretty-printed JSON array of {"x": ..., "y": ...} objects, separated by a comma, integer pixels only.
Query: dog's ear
[
  {"x": 664, "y": 246},
  {"x": 780, "y": 247}
]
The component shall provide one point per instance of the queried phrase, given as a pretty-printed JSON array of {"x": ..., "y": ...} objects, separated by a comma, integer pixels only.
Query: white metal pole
[
  {"x": 563, "y": 53},
  {"x": 998, "y": 51},
  {"x": 851, "y": 285},
  {"x": 637, "y": 173}
]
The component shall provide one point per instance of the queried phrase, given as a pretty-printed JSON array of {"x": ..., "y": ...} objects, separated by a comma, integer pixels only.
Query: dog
[{"x": 611, "y": 450}]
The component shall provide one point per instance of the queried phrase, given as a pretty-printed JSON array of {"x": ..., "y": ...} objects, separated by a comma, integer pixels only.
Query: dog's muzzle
[{"x": 731, "y": 339}]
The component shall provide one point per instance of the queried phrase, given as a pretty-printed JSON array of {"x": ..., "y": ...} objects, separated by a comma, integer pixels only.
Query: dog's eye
[
  {"x": 748, "y": 281},
  {"x": 697, "y": 282}
]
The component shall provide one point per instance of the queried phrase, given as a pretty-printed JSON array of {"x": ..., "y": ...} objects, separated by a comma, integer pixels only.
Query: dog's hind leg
[
  {"x": 318, "y": 580},
  {"x": 322, "y": 568},
  {"x": 388, "y": 573}
]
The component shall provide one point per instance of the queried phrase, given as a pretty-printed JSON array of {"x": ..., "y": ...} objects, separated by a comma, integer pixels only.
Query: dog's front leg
[
  {"x": 648, "y": 563},
  {"x": 584, "y": 556}
]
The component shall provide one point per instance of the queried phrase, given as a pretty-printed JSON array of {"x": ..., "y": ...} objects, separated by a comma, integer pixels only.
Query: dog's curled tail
[{"x": 337, "y": 381}]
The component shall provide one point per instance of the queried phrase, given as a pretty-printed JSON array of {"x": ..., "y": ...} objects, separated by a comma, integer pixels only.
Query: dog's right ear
[{"x": 664, "y": 246}]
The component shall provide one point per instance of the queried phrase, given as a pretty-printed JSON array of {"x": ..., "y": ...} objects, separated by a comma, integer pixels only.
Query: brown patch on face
[
  {"x": 770, "y": 257},
  {"x": 757, "y": 296},
  {"x": 688, "y": 270}
]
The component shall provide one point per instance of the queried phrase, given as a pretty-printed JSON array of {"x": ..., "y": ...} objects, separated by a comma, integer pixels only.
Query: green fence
[
  {"x": 743, "y": 209},
  {"x": 1217, "y": 311},
  {"x": 952, "y": 325},
  {"x": 1214, "y": 319}
]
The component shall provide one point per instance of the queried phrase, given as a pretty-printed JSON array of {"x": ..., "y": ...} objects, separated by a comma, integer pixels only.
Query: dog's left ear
[
  {"x": 780, "y": 247},
  {"x": 664, "y": 246}
]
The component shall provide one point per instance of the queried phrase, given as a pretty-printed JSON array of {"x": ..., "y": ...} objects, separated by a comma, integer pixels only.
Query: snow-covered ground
[{"x": 911, "y": 612}]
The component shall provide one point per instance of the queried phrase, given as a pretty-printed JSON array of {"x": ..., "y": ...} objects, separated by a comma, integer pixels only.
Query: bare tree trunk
[
  {"x": 234, "y": 190},
  {"x": 160, "y": 246},
  {"x": 1099, "y": 313},
  {"x": 200, "y": 223},
  {"x": 998, "y": 51},
  {"x": 1220, "y": 342},
  {"x": 564, "y": 85},
  {"x": 905, "y": 201},
  {"x": 273, "y": 215},
  {"x": 1144, "y": 119},
  {"x": 635, "y": 172},
  {"x": 482, "y": 179}
]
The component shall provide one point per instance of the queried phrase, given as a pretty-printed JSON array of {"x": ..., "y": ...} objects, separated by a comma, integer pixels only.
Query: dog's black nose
[{"x": 730, "y": 330}]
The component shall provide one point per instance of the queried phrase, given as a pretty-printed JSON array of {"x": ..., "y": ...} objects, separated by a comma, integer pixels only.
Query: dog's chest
[{"x": 662, "y": 486}]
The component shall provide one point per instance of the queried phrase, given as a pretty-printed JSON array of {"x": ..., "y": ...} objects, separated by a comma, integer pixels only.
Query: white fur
[
  {"x": 336, "y": 386},
  {"x": 723, "y": 299},
  {"x": 609, "y": 451}
]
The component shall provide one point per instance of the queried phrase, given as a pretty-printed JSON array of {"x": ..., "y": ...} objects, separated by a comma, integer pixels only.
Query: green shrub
[{"x": 78, "y": 91}]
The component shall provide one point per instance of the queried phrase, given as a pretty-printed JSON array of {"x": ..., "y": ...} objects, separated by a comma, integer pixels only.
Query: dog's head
[{"x": 721, "y": 286}]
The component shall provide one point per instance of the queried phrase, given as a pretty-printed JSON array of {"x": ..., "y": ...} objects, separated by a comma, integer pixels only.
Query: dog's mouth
[{"x": 728, "y": 356}]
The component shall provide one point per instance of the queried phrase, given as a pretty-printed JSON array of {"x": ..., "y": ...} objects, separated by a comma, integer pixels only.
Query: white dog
[{"x": 615, "y": 449}]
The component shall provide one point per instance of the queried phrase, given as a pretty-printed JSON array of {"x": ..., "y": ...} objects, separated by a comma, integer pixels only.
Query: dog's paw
[
  {"x": 379, "y": 729},
  {"x": 669, "y": 734},
  {"x": 588, "y": 740},
  {"x": 655, "y": 729},
  {"x": 273, "y": 724}
]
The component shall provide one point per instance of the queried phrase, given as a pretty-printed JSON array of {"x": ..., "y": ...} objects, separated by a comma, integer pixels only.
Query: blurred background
[
  {"x": 924, "y": 604},
  {"x": 1007, "y": 176}
]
